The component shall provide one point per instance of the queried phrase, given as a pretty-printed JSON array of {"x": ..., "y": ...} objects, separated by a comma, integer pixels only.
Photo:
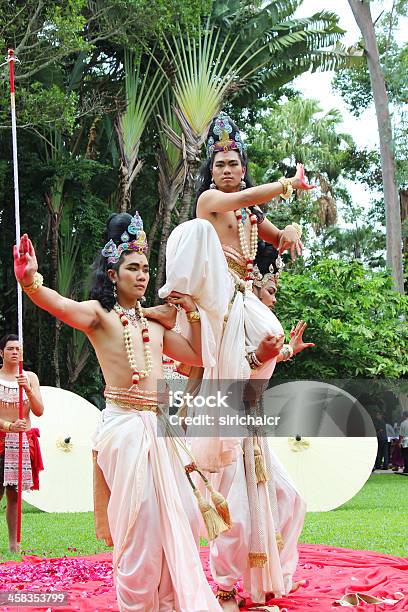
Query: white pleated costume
[
  {"x": 152, "y": 516},
  {"x": 197, "y": 265}
]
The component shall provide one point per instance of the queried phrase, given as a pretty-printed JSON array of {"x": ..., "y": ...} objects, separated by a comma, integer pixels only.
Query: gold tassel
[
  {"x": 257, "y": 559},
  {"x": 279, "y": 540},
  {"x": 220, "y": 504},
  {"x": 260, "y": 469},
  {"x": 212, "y": 520}
]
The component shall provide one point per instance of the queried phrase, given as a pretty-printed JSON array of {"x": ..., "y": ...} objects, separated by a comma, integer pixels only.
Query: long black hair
[
  {"x": 266, "y": 256},
  {"x": 101, "y": 285}
]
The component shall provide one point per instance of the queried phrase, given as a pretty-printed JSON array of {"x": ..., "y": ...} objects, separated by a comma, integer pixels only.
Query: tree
[
  {"x": 245, "y": 49},
  {"x": 172, "y": 174},
  {"x": 360, "y": 242},
  {"x": 298, "y": 131},
  {"x": 144, "y": 88},
  {"x": 355, "y": 318},
  {"x": 362, "y": 13}
]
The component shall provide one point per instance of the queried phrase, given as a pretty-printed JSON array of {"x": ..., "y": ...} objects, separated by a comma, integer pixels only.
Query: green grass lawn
[{"x": 375, "y": 519}]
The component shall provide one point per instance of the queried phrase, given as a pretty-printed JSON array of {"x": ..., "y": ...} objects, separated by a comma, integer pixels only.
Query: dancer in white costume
[
  {"x": 212, "y": 259},
  {"x": 151, "y": 515}
]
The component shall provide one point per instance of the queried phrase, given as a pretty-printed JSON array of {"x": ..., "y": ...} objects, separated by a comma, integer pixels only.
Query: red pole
[
  {"x": 11, "y": 59},
  {"x": 20, "y": 454}
]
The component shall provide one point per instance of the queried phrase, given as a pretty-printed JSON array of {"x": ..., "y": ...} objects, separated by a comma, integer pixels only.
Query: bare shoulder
[
  {"x": 206, "y": 202},
  {"x": 32, "y": 376},
  {"x": 97, "y": 310}
]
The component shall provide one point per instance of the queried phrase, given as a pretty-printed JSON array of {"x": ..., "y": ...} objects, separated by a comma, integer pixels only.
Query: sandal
[
  {"x": 347, "y": 601},
  {"x": 354, "y": 599}
]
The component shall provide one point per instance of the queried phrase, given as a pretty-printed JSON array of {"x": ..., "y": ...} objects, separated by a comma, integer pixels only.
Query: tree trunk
[
  {"x": 56, "y": 352},
  {"x": 124, "y": 189},
  {"x": 55, "y": 222},
  {"x": 161, "y": 259},
  {"x": 404, "y": 217},
  {"x": 153, "y": 229},
  {"x": 362, "y": 15},
  {"x": 189, "y": 192},
  {"x": 75, "y": 368}
]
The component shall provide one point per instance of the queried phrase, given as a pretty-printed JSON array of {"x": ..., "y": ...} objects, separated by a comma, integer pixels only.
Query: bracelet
[
  {"x": 286, "y": 352},
  {"x": 38, "y": 280},
  {"x": 7, "y": 425},
  {"x": 287, "y": 187},
  {"x": 253, "y": 361},
  {"x": 193, "y": 316}
]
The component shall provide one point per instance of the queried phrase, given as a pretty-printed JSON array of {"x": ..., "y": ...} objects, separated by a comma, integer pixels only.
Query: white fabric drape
[
  {"x": 152, "y": 516},
  {"x": 196, "y": 265}
]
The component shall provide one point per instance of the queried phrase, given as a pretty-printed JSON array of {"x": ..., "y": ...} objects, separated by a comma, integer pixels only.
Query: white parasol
[
  {"x": 326, "y": 471},
  {"x": 325, "y": 440},
  {"x": 67, "y": 426}
]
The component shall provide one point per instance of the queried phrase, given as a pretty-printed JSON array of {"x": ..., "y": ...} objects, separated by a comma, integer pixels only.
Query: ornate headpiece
[
  {"x": 224, "y": 135},
  {"x": 274, "y": 270},
  {"x": 134, "y": 239}
]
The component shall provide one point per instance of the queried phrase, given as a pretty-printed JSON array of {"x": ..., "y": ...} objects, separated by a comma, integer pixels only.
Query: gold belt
[
  {"x": 140, "y": 400},
  {"x": 237, "y": 268},
  {"x": 132, "y": 405}
]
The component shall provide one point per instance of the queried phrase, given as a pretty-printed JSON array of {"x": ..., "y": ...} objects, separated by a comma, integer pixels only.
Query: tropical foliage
[{"x": 114, "y": 101}]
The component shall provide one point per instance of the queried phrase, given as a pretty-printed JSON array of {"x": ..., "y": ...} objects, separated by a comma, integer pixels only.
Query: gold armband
[
  {"x": 193, "y": 316},
  {"x": 7, "y": 425},
  {"x": 287, "y": 187},
  {"x": 35, "y": 285}
]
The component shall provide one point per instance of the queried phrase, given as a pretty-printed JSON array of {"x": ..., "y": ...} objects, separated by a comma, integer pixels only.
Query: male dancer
[
  {"x": 11, "y": 425},
  {"x": 217, "y": 268},
  {"x": 267, "y": 269},
  {"x": 156, "y": 561}
]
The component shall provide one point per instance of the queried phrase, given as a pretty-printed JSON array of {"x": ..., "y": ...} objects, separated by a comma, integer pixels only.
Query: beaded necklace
[
  {"x": 135, "y": 317},
  {"x": 249, "y": 252}
]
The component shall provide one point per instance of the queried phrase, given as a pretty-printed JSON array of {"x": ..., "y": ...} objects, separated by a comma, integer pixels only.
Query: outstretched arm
[
  {"x": 213, "y": 201},
  {"x": 81, "y": 315}
]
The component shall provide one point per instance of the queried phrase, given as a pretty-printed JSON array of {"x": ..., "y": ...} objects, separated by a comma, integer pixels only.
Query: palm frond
[
  {"x": 143, "y": 90},
  {"x": 67, "y": 255}
]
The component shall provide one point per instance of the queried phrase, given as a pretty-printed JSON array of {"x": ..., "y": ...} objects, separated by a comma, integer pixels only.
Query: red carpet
[{"x": 330, "y": 572}]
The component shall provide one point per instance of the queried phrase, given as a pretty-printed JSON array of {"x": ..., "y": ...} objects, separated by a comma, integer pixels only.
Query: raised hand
[
  {"x": 181, "y": 299},
  {"x": 299, "y": 181},
  {"x": 296, "y": 338},
  {"x": 290, "y": 240},
  {"x": 25, "y": 261},
  {"x": 269, "y": 347},
  {"x": 163, "y": 314}
]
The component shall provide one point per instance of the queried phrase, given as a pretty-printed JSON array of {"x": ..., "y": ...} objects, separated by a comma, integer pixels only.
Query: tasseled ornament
[
  {"x": 257, "y": 559},
  {"x": 279, "y": 540},
  {"x": 220, "y": 504},
  {"x": 212, "y": 520},
  {"x": 260, "y": 468}
]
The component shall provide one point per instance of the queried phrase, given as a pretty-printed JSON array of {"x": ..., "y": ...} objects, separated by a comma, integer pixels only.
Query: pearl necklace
[
  {"x": 133, "y": 316},
  {"x": 249, "y": 252}
]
